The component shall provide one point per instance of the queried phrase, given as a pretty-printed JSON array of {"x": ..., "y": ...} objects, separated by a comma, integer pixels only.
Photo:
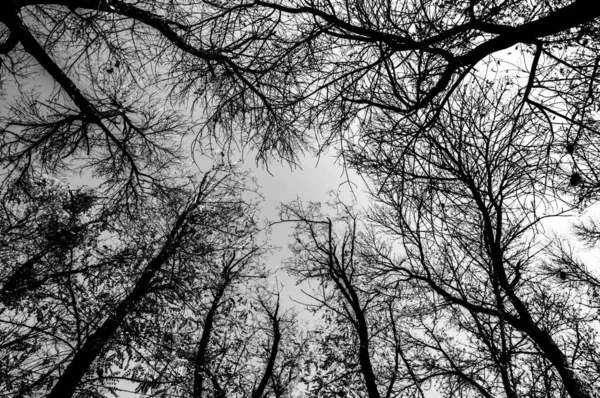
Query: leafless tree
[
  {"x": 456, "y": 264},
  {"x": 466, "y": 200},
  {"x": 275, "y": 71}
]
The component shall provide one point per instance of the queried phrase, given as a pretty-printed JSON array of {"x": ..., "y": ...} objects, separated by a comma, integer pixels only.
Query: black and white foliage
[{"x": 474, "y": 123}]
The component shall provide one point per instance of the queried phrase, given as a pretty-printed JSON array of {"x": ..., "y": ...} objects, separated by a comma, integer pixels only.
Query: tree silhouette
[
  {"x": 457, "y": 258},
  {"x": 90, "y": 298},
  {"x": 275, "y": 71},
  {"x": 473, "y": 121},
  {"x": 469, "y": 197}
]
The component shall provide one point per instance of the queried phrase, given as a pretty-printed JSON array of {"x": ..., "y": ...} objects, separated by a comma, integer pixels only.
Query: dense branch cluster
[
  {"x": 91, "y": 299},
  {"x": 474, "y": 123}
]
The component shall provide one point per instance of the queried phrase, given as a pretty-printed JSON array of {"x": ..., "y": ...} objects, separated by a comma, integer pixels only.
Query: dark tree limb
[
  {"x": 10, "y": 43},
  {"x": 275, "y": 323},
  {"x": 201, "y": 362},
  {"x": 97, "y": 341}
]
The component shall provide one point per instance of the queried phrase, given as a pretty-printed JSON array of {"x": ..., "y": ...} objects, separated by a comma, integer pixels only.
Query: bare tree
[
  {"x": 468, "y": 150},
  {"x": 351, "y": 304},
  {"x": 455, "y": 270},
  {"x": 272, "y": 71},
  {"x": 122, "y": 74},
  {"x": 466, "y": 200}
]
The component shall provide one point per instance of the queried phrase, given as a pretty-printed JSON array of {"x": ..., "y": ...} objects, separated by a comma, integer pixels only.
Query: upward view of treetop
[
  {"x": 274, "y": 74},
  {"x": 472, "y": 123}
]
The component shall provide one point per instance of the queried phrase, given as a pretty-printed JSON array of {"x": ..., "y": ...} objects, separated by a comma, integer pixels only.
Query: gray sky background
[{"x": 314, "y": 181}]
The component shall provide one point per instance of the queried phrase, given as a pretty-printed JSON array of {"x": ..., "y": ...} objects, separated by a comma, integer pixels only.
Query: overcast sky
[{"x": 314, "y": 181}]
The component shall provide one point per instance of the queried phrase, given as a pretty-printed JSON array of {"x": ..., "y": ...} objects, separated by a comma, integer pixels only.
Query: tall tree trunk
[
  {"x": 201, "y": 356},
  {"x": 260, "y": 390},
  {"x": 93, "y": 345}
]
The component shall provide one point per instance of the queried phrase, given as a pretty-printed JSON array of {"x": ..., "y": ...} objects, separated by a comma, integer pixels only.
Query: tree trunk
[{"x": 84, "y": 357}]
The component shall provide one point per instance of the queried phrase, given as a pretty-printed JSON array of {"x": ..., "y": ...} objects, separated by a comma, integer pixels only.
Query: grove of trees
[{"x": 474, "y": 124}]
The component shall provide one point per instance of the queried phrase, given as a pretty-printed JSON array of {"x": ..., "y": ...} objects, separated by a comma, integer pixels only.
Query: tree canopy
[
  {"x": 91, "y": 298},
  {"x": 275, "y": 74},
  {"x": 472, "y": 122}
]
